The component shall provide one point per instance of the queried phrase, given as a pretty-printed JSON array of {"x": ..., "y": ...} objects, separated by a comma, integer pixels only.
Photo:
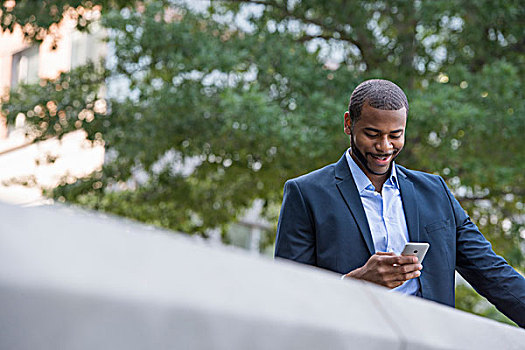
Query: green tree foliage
[
  {"x": 468, "y": 300},
  {"x": 249, "y": 93}
]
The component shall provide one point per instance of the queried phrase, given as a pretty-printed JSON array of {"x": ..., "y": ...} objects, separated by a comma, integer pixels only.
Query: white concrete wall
[{"x": 70, "y": 279}]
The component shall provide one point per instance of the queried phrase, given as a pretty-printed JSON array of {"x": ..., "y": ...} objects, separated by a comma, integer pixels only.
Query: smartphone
[{"x": 416, "y": 249}]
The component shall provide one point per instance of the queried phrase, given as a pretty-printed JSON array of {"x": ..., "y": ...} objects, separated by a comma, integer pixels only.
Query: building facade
[{"x": 22, "y": 62}]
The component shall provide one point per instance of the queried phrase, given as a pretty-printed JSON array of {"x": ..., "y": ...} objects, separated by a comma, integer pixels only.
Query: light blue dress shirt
[{"x": 385, "y": 215}]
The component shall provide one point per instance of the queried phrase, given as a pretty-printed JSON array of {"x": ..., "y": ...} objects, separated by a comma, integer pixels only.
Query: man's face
[{"x": 378, "y": 136}]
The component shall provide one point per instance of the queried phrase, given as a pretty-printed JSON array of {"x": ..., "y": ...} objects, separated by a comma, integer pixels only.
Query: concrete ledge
[{"x": 71, "y": 279}]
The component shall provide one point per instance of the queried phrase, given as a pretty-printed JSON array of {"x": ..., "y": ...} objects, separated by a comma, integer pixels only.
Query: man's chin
[{"x": 381, "y": 170}]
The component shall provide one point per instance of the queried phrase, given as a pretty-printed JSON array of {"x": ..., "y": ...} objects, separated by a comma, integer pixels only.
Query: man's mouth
[{"x": 382, "y": 159}]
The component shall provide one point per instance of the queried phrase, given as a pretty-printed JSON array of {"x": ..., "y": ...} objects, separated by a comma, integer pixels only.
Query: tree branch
[{"x": 306, "y": 37}]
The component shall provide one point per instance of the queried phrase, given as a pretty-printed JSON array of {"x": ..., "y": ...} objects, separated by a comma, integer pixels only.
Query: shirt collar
[{"x": 362, "y": 181}]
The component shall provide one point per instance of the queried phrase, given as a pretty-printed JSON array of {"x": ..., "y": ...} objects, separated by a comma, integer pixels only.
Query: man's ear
[{"x": 348, "y": 123}]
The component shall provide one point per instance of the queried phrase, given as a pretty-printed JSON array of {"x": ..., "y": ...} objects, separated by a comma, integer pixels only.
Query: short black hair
[{"x": 378, "y": 93}]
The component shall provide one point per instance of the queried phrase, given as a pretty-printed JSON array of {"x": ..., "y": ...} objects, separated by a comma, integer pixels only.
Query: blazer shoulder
[
  {"x": 422, "y": 179},
  {"x": 316, "y": 177},
  {"x": 417, "y": 175}
]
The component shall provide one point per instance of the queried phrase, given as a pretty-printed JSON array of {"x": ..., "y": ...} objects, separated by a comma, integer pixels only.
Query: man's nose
[{"x": 384, "y": 145}]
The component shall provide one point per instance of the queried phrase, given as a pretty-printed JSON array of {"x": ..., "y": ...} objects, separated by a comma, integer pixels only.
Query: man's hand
[{"x": 388, "y": 269}]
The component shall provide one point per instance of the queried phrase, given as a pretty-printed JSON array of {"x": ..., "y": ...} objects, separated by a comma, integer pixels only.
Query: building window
[
  {"x": 86, "y": 47},
  {"x": 24, "y": 67}
]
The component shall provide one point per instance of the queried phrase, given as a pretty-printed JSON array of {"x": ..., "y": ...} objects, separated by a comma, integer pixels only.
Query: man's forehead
[
  {"x": 384, "y": 115},
  {"x": 367, "y": 106}
]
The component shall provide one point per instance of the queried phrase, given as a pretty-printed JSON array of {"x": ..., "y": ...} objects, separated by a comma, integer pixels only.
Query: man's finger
[
  {"x": 408, "y": 268},
  {"x": 403, "y": 277},
  {"x": 398, "y": 259},
  {"x": 386, "y": 253}
]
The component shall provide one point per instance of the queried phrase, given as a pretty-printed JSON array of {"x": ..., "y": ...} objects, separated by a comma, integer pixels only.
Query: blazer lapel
[
  {"x": 408, "y": 197},
  {"x": 346, "y": 185}
]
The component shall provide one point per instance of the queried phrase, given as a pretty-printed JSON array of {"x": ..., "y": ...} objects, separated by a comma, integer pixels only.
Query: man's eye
[
  {"x": 370, "y": 135},
  {"x": 395, "y": 137}
]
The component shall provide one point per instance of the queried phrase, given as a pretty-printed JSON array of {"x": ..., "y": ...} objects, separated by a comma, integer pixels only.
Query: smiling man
[{"x": 355, "y": 216}]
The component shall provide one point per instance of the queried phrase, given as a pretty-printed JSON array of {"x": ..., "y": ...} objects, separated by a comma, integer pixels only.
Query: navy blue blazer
[{"x": 323, "y": 223}]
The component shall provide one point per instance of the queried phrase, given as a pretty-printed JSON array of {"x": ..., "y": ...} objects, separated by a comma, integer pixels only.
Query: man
[{"x": 355, "y": 216}]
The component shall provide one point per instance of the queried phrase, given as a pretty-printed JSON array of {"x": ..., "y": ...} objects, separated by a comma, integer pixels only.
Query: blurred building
[{"x": 22, "y": 161}]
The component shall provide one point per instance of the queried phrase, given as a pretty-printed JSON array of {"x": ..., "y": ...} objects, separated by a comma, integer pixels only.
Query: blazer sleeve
[
  {"x": 489, "y": 274},
  {"x": 295, "y": 230}
]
